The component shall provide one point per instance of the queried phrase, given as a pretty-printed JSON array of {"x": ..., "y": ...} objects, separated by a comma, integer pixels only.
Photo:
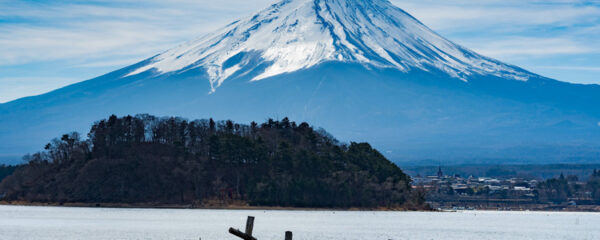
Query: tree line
[
  {"x": 563, "y": 188},
  {"x": 170, "y": 160}
]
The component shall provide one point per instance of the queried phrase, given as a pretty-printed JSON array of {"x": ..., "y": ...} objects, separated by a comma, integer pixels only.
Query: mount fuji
[{"x": 364, "y": 70}]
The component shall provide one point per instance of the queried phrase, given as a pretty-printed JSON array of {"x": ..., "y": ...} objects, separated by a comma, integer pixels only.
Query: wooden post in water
[
  {"x": 248, "y": 234},
  {"x": 288, "y": 235},
  {"x": 245, "y": 235},
  {"x": 249, "y": 225}
]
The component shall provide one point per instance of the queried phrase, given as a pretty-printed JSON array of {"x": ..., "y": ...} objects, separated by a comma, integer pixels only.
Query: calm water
[{"x": 99, "y": 223}]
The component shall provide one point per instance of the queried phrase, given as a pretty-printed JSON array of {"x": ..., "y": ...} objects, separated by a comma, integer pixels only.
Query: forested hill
[{"x": 158, "y": 161}]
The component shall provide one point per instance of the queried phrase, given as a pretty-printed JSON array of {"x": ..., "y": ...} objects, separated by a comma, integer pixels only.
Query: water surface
[{"x": 17, "y": 222}]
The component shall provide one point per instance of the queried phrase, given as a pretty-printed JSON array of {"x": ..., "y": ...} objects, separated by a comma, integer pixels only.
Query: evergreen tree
[{"x": 140, "y": 159}]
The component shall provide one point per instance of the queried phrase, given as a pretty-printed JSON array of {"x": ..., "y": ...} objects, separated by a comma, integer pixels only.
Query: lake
[{"x": 64, "y": 223}]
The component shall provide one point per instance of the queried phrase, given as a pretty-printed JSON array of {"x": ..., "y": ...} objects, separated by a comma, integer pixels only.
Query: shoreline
[
  {"x": 205, "y": 207},
  {"x": 585, "y": 209}
]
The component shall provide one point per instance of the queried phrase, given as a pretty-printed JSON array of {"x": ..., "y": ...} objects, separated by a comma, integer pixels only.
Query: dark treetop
[{"x": 150, "y": 160}]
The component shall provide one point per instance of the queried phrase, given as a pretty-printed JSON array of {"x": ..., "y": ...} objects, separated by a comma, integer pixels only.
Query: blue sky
[{"x": 45, "y": 45}]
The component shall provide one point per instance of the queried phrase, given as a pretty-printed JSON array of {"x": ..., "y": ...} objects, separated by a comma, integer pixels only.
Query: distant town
[{"x": 456, "y": 192}]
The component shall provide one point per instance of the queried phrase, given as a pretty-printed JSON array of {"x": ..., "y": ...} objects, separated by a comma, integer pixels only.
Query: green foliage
[
  {"x": 145, "y": 159},
  {"x": 5, "y": 171},
  {"x": 555, "y": 190},
  {"x": 593, "y": 186}
]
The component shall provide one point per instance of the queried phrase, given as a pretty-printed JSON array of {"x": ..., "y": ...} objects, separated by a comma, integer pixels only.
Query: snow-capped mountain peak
[{"x": 297, "y": 34}]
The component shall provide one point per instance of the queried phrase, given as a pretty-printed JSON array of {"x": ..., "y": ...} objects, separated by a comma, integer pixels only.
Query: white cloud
[
  {"x": 111, "y": 63},
  {"x": 458, "y": 15},
  {"x": 30, "y": 44},
  {"x": 69, "y": 31},
  {"x": 575, "y": 68},
  {"x": 530, "y": 47}
]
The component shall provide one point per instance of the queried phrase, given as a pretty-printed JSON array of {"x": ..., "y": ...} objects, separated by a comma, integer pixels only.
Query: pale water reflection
[{"x": 102, "y": 223}]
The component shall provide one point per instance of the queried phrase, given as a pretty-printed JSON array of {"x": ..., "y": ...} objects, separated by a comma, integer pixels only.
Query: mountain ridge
[
  {"x": 298, "y": 34},
  {"x": 409, "y": 115}
]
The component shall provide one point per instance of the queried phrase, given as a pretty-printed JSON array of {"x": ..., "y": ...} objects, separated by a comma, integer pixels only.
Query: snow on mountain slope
[{"x": 297, "y": 34}]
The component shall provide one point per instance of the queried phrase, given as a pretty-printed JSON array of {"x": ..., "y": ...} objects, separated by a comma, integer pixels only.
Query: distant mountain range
[{"x": 363, "y": 69}]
